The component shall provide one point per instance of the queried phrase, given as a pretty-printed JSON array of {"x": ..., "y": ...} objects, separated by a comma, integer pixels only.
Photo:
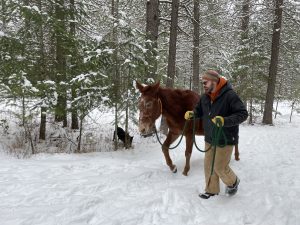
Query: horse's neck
[
  {"x": 176, "y": 102},
  {"x": 167, "y": 98}
]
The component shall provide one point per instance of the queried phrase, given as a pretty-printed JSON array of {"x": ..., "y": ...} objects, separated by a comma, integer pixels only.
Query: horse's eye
[{"x": 148, "y": 105}]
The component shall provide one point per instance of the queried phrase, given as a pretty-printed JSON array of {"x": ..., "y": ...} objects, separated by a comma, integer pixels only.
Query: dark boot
[
  {"x": 206, "y": 195},
  {"x": 232, "y": 190}
]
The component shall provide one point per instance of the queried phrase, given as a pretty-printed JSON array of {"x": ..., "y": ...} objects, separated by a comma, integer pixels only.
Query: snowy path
[{"x": 136, "y": 187}]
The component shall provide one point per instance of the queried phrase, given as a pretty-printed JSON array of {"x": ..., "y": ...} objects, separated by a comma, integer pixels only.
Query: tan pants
[{"x": 221, "y": 168}]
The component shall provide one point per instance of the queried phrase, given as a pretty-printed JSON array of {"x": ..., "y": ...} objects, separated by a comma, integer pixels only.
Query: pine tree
[
  {"x": 152, "y": 23},
  {"x": 268, "y": 118},
  {"x": 196, "y": 46}
]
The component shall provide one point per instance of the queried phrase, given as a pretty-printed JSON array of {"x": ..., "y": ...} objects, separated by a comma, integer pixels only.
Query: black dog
[{"x": 121, "y": 135}]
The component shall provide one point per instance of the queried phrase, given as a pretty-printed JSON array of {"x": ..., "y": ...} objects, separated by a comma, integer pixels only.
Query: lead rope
[
  {"x": 217, "y": 132},
  {"x": 182, "y": 133},
  {"x": 194, "y": 138}
]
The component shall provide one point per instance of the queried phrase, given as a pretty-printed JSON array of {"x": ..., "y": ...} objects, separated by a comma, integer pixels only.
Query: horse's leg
[
  {"x": 165, "y": 148},
  {"x": 188, "y": 153},
  {"x": 236, "y": 152}
]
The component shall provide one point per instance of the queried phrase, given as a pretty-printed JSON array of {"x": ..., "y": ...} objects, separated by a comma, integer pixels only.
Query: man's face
[{"x": 208, "y": 85}]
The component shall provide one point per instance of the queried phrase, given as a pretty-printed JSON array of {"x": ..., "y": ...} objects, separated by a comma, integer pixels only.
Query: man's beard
[{"x": 209, "y": 90}]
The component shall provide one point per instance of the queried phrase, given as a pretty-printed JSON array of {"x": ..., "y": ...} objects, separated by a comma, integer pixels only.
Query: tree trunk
[
  {"x": 244, "y": 40},
  {"x": 172, "y": 44},
  {"x": 267, "y": 118},
  {"x": 43, "y": 124},
  {"x": 80, "y": 135},
  {"x": 251, "y": 93},
  {"x": 251, "y": 111},
  {"x": 152, "y": 23},
  {"x": 116, "y": 72},
  {"x": 196, "y": 45},
  {"x": 245, "y": 18},
  {"x": 3, "y": 14},
  {"x": 293, "y": 104},
  {"x": 172, "y": 56},
  {"x": 42, "y": 63},
  {"x": 74, "y": 114},
  {"x": 28, "y": 136},
  {"x": 127, "y": 141},
  {"x": 27, "y": 23},
  {"x": 23, "y": 110},
  {"x": 278, "y": 98},
  {"x": 61, "y": 107},
  {"x": 127, "y": 82}
]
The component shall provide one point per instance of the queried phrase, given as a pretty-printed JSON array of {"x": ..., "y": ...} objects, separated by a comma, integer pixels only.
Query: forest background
[{"x": 63, "y": 59}]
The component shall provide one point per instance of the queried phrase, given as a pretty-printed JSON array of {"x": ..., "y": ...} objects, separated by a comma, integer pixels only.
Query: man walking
[{"x": 220, "y": 106}]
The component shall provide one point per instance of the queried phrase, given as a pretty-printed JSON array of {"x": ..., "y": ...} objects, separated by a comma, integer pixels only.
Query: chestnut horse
[{"x": 172, "y": 104}]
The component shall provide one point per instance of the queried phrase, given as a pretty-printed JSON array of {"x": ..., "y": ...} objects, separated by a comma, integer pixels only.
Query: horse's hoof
[
  {"x": 185, "y": 173},
  {"x": 174, "y": 170},
  {"x": 237, "y": 158}
]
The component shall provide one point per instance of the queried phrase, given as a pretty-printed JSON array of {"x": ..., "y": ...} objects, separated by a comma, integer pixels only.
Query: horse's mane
[{"x": 174, "y": 93}]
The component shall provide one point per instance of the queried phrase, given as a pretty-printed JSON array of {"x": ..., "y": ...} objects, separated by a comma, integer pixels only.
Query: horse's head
[{"x": 150, "y": 107}]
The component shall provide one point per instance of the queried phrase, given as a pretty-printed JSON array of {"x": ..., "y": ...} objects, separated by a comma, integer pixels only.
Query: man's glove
[
  {"x": 189, "y": 115},
  {"x": 218, "y": 120}
]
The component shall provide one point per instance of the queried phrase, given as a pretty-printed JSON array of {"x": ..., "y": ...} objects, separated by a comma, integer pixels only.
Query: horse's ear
[
  {"x": 156, "y": 86},
  {"x": 139, "y": 86}
]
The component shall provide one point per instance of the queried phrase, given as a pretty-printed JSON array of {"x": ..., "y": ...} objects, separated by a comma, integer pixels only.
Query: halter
[{"x": 160, "y": 105}]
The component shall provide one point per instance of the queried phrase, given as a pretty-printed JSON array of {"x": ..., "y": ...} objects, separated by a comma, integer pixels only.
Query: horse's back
[{"x": 189, "y": 98}]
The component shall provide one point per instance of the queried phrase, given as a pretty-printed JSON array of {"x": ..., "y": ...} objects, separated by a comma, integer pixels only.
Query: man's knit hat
[{"x": 211, "y": 75}]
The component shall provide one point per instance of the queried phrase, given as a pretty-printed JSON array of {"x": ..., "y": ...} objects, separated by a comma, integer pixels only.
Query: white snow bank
[{"x": 132, "y": 187}]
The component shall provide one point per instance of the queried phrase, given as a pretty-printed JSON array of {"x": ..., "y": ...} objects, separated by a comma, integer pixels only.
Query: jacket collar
[{"x": 223, "y": 90}]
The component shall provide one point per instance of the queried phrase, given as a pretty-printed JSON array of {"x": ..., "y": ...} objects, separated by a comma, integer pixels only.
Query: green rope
[
  {"x": 216, "y": 137},
  {"x": 217, "y": 132},
  {"x": 194, "y": 137},
  {"x": 182, "y": 134}
]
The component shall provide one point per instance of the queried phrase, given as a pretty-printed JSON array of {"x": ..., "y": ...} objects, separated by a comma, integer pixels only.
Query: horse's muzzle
[{"x": 146, "y": 129}]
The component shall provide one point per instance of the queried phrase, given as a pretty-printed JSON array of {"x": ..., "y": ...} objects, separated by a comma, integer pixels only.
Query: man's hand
[
  {"x": 218, "y": 120},
  {"x": 189, "y": 115}
]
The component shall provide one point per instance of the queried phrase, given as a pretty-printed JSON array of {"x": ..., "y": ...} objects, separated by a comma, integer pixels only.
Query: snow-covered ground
[{"x": 135, "y": 187}]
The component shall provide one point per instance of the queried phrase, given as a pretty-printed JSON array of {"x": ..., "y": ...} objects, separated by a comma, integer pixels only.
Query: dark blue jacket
[{"x": 228, "y": 105}]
